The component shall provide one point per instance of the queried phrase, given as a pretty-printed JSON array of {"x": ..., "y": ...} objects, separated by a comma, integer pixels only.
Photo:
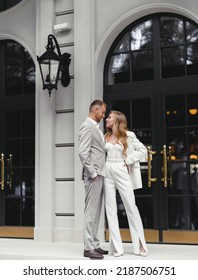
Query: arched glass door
[
  {"x": 17, "y": 140},
  {"x": 151, "y": 76}
]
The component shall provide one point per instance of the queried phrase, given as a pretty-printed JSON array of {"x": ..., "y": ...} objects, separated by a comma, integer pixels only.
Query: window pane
[
  {"x": 175, "y": 110},
  {"x": 193, "y": 143},
  {"x": 13, "y": 81},
  {"x": 172, "y": 31},
  {"x": 191, "y": 33},
  {"x": 141, "y": 113},
  {"x": 141, "y": 36},
  {"x": 124, "y": 107},
  {"x": 28, "y": 152},
  {"x": 29, "y": 79},
  {"x": 123, "y": 45},
  {"x": 192, "y": 101},
  {"x": 142, "y": 66},
  {"x": 12, "y": 212},
  {"x": 173, "y": 62},
  {"x": 119, "y": 69},
  {"x": 13, "y": 124},
  {"x": 28, "y": 123},
  {"x": 13, "y": 54},
  {"x": 192, "y": 59}
]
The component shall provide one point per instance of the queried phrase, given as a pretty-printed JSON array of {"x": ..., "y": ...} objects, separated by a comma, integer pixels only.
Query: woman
[{"x": 124, "y": 152}]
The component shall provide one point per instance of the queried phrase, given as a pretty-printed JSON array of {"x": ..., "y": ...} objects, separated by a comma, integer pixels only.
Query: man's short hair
[{"x": 97, "y": 103}]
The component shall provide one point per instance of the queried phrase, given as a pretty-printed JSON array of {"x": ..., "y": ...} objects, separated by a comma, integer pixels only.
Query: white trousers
[{"x": 118, "y": 178}]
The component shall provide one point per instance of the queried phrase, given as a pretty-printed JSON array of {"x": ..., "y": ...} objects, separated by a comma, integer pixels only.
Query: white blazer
[{"x": 135, "y": 151}]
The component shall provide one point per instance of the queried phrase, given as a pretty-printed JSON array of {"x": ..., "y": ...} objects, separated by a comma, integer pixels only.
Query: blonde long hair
[{"x": 120, "y": 126}]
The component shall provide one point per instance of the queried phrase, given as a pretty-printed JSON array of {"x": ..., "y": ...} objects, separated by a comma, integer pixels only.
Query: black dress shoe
[
  {"x": 93, "y": 255},
  {"x": 101, "y": 251}
]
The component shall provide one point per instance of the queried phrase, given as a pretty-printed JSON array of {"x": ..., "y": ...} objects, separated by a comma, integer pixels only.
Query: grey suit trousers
[{"x": 92, "y": 211}]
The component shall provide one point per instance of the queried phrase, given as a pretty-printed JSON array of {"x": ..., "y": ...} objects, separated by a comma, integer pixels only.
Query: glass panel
[
  {"x": 194, "y": 193},
  {"x": 27, "y": 211},
  {"x": 119, "y": 69},
  {"x": 176, "y": 139},
  {"x": 172, "y": 31},
  {"x": 142, "y": 36},
  {"x": 14, "y": 147},
  {"x": 29, "y": 81},
  {"x": 175, "y": 110},
  {"x": 179, "y": 215},
  {"x": 192, "y": 103},
  {"x": 192, "y": 59},
  {"x": 191, "y": 33},
  {"x": 28, "y": 181},
  {"x": 15, "y": 189},
  {"x": 193, "y": 143},
  {"x": 123, "y": 45},
  {"x": 141, "y": 113},
  {"x": 13, "y": 54},
  {"x": 124, "y": 107},
  {"x": 145, "y": 207},
  {"x": 12, "y": 212},
  {"x": 13, "y": 81},
  {"x": 173, "y": 62},
  {"x": 28, "y": 123},
  {"x": 28, "y": 149},
  {"x": 13, "y": 124},
  {"x": 142, "y": 65}
]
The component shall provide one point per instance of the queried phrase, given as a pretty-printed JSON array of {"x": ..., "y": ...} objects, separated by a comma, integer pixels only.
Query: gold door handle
[
  {"x": 164, "y": 169},
  {"x": 2, "y": 172},
  {"x": 170, "y": 167},
  {"x": 9, "y": 171},
  {"x": 150, "y": 179}
]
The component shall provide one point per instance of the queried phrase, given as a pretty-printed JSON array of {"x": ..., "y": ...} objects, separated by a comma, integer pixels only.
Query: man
[{"x": 92, "y": 156}]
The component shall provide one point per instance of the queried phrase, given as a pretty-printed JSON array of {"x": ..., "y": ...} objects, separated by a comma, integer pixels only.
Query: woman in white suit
[{"x": 124, "y": 152}]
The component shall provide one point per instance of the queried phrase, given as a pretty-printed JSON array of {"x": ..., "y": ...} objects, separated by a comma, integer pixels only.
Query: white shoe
[
  {"x": 143, "y": 253},
  {"x": 117, "y": 254}
]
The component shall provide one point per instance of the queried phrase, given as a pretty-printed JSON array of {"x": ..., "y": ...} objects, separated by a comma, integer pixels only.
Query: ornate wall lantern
[{"x": 52, "y": 64}]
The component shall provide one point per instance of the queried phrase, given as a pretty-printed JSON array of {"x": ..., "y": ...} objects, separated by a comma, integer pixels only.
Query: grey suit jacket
[{"x": 92, "y": 149}]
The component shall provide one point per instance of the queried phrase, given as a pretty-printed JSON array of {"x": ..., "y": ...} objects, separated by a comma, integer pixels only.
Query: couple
[{"x": 112, "y": 160}]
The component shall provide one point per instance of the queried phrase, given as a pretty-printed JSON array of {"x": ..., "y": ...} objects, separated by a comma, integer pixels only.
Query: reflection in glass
[
  {"x": 191, "y": 33},
  {"x": 19, "y": 69},
  {"x": 175, "y": 110},
  {"x": 123, "y": 45},
  {"x": 176, "y": 139},
  {"x": 172, "y": 31},
  {"x": 141, "y": 36},
  {"x": 142, "y": 65},
  {"x": 119, "y": 69},
  {"x": 192, "y": 59},
  {"x": 179, "y": 215},
  {"x": 173, "y": 62},
  {"x": 13, "y": 54},
  {"x": 193, "y": 143},
  {"x": 192, "y": 109}
]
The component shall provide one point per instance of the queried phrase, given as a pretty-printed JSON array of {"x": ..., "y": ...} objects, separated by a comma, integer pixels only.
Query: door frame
[{"x": 155, "y": 89}]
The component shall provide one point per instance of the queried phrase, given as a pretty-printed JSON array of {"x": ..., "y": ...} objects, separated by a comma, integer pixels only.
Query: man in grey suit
[{"x": 92, "y": 156}]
